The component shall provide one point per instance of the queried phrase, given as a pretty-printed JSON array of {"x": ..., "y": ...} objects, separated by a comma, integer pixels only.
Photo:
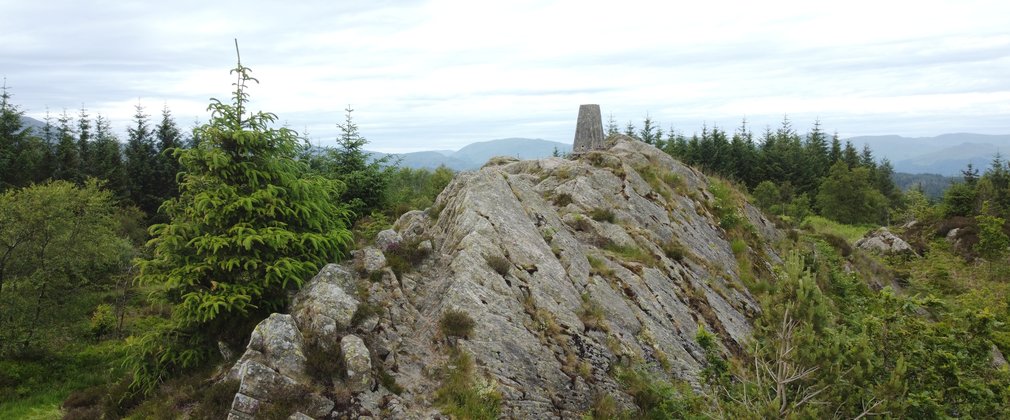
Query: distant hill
[
  {"x": 475, "y": 155},
  {"x": 933, "y": 185},
  {"x": 945, "y": 154},
  {"x": 34, "y": 124}
]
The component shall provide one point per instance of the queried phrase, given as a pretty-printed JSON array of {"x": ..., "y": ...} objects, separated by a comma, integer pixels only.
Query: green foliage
[
  {"x": 250, "y": 223},
  {"x": 959, "y": 200},
  {"x": 414, "y": 189},
  {"x": 766, "y": 195},
  {"x": 141, "y": 164},
  {"x": 659, "y": 399},
  {"x": 992, "y": 240},
  {"x": 456, "y": 323},
  {"x": 464, "y": 394},
  {"x": 562, "y": 199},
  {"x": 848, "y": 196},
  {"x": 598, "y": 266},
  {"x": 103, "y": 320},
  {"x": 738, "y": 246},
  {"x": 725, "y": 205},
  {"x": 55, "y": 239},
  {"x": 716, "y": 369},
  {"x": 365, "y": 180},
  {"x": 367, "y": 227},
  {"x": 324, "y": 363}
]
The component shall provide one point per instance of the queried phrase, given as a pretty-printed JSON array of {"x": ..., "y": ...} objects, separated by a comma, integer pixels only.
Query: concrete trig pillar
[{"x": 589, "y": 129}]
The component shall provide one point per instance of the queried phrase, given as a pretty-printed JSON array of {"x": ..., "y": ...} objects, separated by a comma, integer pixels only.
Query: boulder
[
  {"x": 357, "y": 362},
  {"x": 882, "y": 241},
  {"x": 369, "y": 260},
  {"x": 324, "y": 306},
  {"x": 277, "y": 343},
  {"x": 387, "y": 238},
  {"x": 262, "y": 385}
]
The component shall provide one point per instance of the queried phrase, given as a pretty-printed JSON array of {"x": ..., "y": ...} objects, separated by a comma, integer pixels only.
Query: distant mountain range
[
  {"x": 945, "y": 154},
  {"x": 475, "y": 155}
]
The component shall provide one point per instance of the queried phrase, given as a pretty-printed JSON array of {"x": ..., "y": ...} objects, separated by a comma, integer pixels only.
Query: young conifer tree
[{"x": 250, "y": 223}]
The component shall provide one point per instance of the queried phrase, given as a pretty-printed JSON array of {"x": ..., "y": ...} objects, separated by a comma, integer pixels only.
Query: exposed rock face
[
  {"x": 882, "y": 241},
  {"x": 536, "y": 215},
  {"x": 627, "y": 229}
]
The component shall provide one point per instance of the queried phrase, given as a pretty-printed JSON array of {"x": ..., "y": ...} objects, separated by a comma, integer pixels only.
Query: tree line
[{"x": 789, "y": 173}]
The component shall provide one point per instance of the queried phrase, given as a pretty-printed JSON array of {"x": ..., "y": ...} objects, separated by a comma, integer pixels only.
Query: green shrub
[
  {"x": 499, "y": 264},
  {"x": 605, "y": 408},
  {"x": 103, "y": 320},
  {"x": 464, "y": 395},
  {"x": 738, "y": 246},
  {"x": 456, "y": 323},
  {"x": 602, "y": 215},
  {"x": 659, "y": 399}
]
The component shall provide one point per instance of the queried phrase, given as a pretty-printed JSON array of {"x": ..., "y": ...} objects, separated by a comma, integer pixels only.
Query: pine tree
[
  {"x": 14, "y": 138},
  {"x": 648, "y": 132},
  {"x": 68, "y": 157},
  {"x": 817, "y": 151},
  {"x": 836, "y": 149},
  {"x": 141, "y": 157},
  {"x": 84, "y": 141},
  {"x": 612, "y": 126},
  {"x": 166, "y": 166},
  {"x": 107, "y": 159},
  {"x": 364, "y": 179},
  {"x": 629, "y": 129},
  {"x": 250, "y": 224},
  {"x": 850, "y": 156}
]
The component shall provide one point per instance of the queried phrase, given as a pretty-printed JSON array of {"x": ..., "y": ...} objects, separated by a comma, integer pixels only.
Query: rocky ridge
[{"x": 567, "y": 266}]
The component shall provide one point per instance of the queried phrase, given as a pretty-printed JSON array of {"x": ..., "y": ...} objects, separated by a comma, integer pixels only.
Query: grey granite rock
[
  {"x": 387, "y": 238},
  {"x": 357, "y": 362}
]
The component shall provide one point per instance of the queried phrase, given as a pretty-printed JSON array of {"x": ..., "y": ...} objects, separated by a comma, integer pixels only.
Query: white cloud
[{"x": 440, "y": 74}]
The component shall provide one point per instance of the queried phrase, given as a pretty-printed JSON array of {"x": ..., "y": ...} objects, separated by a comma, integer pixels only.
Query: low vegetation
[
  {"x": 464, "y": 393},
  {"x": 456, "y": 323}
]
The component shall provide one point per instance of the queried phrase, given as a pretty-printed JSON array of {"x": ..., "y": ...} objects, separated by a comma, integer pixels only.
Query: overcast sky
[{"x": 426, "y": 75}]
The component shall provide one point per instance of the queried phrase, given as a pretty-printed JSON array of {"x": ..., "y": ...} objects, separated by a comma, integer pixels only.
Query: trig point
[{"x": 589, "y": 129}]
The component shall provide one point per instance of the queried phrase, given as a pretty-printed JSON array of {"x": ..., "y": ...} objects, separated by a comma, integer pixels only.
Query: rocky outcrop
[
  {"x": 883, "y": 241},
  {"x": 273, "y": 367},
  {"x": 567, "y": 267}
]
